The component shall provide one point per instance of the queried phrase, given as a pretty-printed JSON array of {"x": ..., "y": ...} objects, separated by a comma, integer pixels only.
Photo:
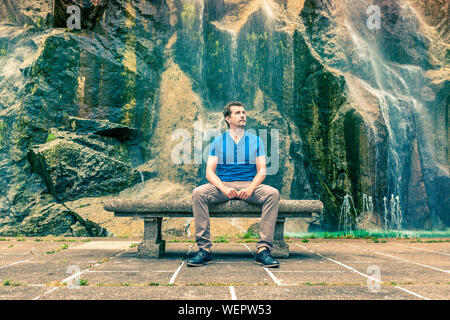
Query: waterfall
[
  {"x": 142, "y": 178},
  {"x": 268, "y": 9},
  {"x": 201, "y": 49},
  {"x": 385, "y": 210},
  {"x": 405, "y": 101},
  {"x": 234, "y": 62},
  {"x": 346, "y": 216},
  {"x": 367, "y": 203},
  {"x": 192, "y": 33}
]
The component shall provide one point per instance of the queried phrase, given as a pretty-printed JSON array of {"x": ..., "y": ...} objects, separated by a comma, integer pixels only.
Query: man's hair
[{"x": 227, "y": 109}]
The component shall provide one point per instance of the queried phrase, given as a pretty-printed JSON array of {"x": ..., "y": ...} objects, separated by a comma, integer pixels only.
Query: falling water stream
[
  {"x": 402, "y": 93},
  {"x": 403, "y": 96}
]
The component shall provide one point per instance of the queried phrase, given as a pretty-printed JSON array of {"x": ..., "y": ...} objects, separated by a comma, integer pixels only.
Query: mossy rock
[{"x": 71, "y": 170}]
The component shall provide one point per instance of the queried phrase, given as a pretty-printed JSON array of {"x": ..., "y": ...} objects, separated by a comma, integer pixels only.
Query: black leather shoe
[
  {"x": 201, "y": 257},
  {"x": 264, "y": 258}
]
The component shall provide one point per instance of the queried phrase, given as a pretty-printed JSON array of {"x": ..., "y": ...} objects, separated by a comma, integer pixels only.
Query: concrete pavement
[{"x": 50, "y": 268}]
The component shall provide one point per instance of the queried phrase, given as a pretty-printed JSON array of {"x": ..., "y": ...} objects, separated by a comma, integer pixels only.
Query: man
[{"x": 239, "y": 159}]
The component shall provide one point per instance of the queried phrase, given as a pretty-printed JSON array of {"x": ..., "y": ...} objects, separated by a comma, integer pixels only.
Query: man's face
[{"x": 237, "y": 119}]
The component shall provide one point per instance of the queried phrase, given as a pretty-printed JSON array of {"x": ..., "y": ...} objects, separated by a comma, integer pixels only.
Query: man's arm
[
  {"x": 215, "y": 180},
  {"x": 257, "y": 180}
]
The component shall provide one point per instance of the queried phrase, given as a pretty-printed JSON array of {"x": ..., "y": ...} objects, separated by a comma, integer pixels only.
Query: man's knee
[
  {"x": 196, "y": 193},
  {"x": 273, "y": 193},
  {"x": 199, "y": 194}
]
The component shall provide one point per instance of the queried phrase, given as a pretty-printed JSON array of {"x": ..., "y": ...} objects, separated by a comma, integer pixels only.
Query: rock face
[
  {"x": 71, "y": 170},
  {"x": 343, "y": 108},
  {"x": 79, "y": 104}
]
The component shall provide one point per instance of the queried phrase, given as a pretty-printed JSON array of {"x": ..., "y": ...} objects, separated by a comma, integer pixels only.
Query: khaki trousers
[{"x": 207, "y": 194}]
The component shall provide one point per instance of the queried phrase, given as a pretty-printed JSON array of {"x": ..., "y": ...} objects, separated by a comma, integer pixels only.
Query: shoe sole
[
  {"x": 267, "y": 266},
  {"x": 198, "y": 265}
]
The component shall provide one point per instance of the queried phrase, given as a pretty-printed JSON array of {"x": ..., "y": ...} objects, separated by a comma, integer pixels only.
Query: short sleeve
[
  {"x": 213, "y": 148},
  {"x": 260, "y": 151}
]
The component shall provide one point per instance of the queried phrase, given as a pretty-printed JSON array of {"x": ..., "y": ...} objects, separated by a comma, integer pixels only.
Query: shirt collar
[{"x": 242, "y": 138}]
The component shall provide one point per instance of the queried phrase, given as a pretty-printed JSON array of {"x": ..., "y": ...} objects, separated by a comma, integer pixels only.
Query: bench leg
[
  {"x": 280, "y": 247},
  {"x": 152, "y": 246}
]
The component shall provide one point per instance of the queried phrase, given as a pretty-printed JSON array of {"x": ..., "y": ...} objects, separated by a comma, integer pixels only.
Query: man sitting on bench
[{"x": 239, "y": 158}]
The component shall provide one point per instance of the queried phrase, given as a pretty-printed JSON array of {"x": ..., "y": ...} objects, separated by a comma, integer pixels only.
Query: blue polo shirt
[{"x": 237, "y": 161}]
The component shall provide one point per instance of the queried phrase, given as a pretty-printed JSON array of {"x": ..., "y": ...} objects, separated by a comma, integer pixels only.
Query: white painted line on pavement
[
  {"x": 273, "y": 277},
  {"x": 111, "y": 271},
  {"x": 45, "y": 293},
  {"x": 440, "y": 252},
  {"x": 248, "y": 248},
  {"x": 16, "y": 253},
  {"x": 300, "y": 271},
  {"x": 172, "y": 279},
  {"x": 362, "y": 274},
  {"x": 14, "y": 263},
  {"x": 76, "y": 275},
  {"x": 401, "y": 259},
  {"x": 267, "y": 270},
  {"x": 233, "y": 293}
]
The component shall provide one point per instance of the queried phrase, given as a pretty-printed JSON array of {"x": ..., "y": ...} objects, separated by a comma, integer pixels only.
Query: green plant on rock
[
  {"x": 3, "y": 51},
  {"x": 83, "y": 282},
  {"x": 2, "y": 131},
  {"x": 50, "y": 137},
  {"x": 188, "y": 16},
  {"x": 221, "y": 239},
  {"x": 247, "y": 235}
]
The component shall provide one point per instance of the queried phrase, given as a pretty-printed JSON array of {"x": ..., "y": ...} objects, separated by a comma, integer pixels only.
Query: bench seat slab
[{"x": 152, "y": 212}]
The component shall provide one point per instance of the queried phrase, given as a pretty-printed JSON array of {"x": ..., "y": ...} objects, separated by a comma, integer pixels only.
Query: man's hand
[
  {"x": 244, "y": 194},
  {"x": 230, "y": 192}
]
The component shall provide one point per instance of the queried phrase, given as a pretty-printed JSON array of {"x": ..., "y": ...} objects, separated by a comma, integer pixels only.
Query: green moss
[
  {"x": 221, "y": 239},
  {"x": 50, "y": 137},
  {"x": 2, "y": 131},
  {"x": 188, "y": 16},
  {"x": 247, "y": 235},
  {"x": 39, "y": 23},
  {"x": 84, "y": 282}
]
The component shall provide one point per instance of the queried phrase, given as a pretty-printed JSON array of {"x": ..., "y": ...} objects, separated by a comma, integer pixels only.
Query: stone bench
[{"x": 153, "y": 246}]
